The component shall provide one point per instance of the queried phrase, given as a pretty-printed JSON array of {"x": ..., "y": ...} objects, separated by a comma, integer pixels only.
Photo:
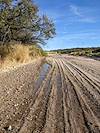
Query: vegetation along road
[{"x": 64, "y": 98}]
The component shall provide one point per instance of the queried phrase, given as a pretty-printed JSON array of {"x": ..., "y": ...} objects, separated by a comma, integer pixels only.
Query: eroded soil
[{"x": 63, "y": 98}]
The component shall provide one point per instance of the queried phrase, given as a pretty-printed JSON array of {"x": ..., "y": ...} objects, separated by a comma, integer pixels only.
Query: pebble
[
  {"x": 10, "y": 128},
  {"x": 16, "y": 105}
]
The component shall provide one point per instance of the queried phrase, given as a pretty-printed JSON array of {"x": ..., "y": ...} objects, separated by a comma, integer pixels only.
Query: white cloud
[
  {"x": 82, "y": 14},
  {"x": 75, "y": 9}
]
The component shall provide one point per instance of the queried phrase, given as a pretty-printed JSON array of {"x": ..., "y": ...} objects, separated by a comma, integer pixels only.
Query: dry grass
[
  {"x": 13, "y": 55},
  {"x": 19, "y": 53}
]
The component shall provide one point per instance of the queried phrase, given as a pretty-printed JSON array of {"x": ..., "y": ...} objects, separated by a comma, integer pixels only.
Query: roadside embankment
[{"x": 14, "y": 55}]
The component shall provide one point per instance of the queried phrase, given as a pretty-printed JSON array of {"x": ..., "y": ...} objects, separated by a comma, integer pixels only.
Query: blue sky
[{"x": 77, "y": 22}]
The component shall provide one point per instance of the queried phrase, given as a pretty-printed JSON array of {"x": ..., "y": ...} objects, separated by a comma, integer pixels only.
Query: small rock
[
  {"x": 16, "y": 105},
  {"x": 10, "y": 128}
]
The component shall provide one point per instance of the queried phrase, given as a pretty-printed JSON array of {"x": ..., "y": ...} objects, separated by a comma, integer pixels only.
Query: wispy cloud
[
  {"x": 82, "y": 14},
  {"x": 75, "y": 10},
  {"x": 78, "y": 14}
]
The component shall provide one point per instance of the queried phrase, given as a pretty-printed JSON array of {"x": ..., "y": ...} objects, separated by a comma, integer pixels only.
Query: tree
[{"x": 20, "y": 21}]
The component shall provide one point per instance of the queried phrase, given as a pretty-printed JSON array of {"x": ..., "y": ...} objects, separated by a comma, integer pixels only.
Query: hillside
[{"x": 91, "y": 52}]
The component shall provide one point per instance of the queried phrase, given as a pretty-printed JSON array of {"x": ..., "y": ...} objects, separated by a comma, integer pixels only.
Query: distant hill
[{"x": 92, "y": 52}]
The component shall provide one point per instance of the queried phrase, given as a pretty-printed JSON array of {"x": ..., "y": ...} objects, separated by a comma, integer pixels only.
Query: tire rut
[
  {"x": 92, "y": 120},
  {"x": 36, "y": 117},
  {"x": 55, "y": 117}
]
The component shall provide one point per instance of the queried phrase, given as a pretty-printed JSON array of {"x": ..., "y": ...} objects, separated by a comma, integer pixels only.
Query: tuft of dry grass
[{"x": 19, "y": 53}]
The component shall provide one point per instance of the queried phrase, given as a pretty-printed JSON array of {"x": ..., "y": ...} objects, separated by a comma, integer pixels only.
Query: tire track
[
  {"x": 89, "y": 93},
  {"x": 75, "y": 118},
  {"x": 55, "y": 116},
  {"x": 36, "y": 117},
  {"x": 91, "y": 80},
  {"x": 91, "y": 120}
]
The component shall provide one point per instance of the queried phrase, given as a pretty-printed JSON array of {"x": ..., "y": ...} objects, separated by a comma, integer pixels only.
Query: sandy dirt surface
[{"x": 64, "y": 97}]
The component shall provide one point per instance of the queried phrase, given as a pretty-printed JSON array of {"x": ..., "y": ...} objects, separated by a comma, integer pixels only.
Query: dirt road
[{"x": 65, "y": 98}]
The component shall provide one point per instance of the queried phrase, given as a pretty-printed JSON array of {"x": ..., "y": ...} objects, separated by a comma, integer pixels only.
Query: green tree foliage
[{"x": 20, "y": 21}]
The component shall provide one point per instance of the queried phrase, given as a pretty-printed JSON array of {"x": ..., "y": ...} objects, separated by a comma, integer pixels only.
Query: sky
[{"x": 77, "y": 22}]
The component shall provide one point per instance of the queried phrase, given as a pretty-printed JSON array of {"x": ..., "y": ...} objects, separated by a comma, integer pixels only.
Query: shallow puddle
[{"x": 42, "y": 74}]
